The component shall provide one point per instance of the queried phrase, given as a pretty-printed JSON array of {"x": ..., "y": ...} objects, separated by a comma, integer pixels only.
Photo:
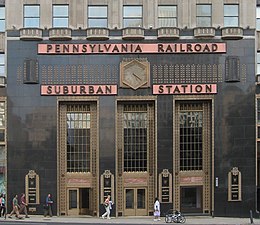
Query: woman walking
[{"x": 156, "y": 210}]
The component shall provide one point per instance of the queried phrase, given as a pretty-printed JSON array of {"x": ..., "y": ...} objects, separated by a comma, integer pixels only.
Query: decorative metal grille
[
  {"x": 142, "y": 117},
  {"x": 135, "y": 141},
  {"x": 188, "y": 73},
  {"x": 190, "y": 140},
  {"x": 78, "y": 142},
  {"x": 78, "y": 74},
  {"x": 108, "y": 74},
  {"x": 82, "y": 109},
  {"x": 192, "y": 148},
  {"x": 78, "y": 138}
]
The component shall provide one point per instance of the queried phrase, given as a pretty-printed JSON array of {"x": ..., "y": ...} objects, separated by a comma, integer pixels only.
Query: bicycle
[{"x": 175, "y": 217}]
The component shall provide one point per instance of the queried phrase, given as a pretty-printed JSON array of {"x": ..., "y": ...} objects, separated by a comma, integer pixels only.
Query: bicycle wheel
[
  {"x": 168, "y": 219},
  {"x": 182, "y": 219}
]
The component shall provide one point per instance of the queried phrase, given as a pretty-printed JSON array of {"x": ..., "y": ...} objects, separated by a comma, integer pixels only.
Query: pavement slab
[{"x": 138, "y": 220}]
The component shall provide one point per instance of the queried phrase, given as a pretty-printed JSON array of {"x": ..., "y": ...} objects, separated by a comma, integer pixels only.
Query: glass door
[
  {"x": 135, "y": 202},
  {"x": 191, "y": 199},
  {"x": 73, "y": 201}
]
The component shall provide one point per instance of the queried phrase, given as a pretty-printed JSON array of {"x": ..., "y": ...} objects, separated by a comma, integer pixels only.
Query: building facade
[{"x": 136, "y": 99}]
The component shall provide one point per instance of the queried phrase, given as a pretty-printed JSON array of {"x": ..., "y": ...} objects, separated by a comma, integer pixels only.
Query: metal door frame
[
  {"x": 135, "y": 211},
  {"x": 73, "y": 211}
]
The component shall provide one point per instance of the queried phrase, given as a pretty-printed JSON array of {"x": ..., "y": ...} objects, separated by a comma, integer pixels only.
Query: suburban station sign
[
  {"x": 158, "y": 89},
  {"x": 137, "y": 48}
]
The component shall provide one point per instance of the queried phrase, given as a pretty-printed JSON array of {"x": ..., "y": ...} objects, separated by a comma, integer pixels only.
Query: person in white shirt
[
  {"x": 108, "y": 206},
  {"x": 156, "y": 210}
]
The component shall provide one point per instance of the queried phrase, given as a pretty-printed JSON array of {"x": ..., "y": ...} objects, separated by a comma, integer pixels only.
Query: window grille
[
  {"x": 135, "y": 140},
  {"x": 78, "y": 140},
  {"x": 232, "y": 69},
  {"x": 191, "y": 139},
  {"x": 31, "y": 71}
]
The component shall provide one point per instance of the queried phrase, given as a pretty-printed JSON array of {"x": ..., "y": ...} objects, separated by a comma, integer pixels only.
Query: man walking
[
  {"x": 23, "y": 205},
  {"x": 48, "y": 205}
]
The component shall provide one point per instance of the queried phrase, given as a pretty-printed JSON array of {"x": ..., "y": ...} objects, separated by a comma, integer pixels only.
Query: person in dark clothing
[
  {"x": 48, "y": 206},
  {"x": 23, "y": 205},
  {"x": 2, "y": 206}
]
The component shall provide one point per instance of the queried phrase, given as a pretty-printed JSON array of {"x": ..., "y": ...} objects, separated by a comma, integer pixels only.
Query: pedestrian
[
  {"x": 156, "y": 210},
  {"x": 15, "y": 208},
  {"x": 108, "y": 206},
  {"x": 23, "y": 205},
  {"x": 48, "y": 206},
  {"x": 2, "y": 206}
]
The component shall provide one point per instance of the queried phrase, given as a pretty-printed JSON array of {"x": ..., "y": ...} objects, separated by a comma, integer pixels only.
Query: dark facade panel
[{"x": 32, "y": 118}]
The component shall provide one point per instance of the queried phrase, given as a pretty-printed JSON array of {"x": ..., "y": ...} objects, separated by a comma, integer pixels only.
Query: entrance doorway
[
  {"x": 78, "y": 201},
  {"x": 191, "y": 199},
  {"x": 135, "y": 202},
  {"x": 193, "y": 156},
  {"x": 78, "y": 157},
  {"x": 136, "y": 156}
]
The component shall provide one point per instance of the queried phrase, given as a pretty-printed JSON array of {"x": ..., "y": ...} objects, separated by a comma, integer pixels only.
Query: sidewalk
[{"x": 137, "y": 220}]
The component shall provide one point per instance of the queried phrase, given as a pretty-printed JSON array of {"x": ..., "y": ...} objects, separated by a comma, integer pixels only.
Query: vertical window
[
  {"x": 97, "y": 16},
  {"x": 2, "y": 148},
  {"x": 78, "y": 142},
  {"x": 2, "y": 19},
  {"x": 191, "y": 140},
  {"x": 60, "y": 15},
  {"x": 135, "y": 141},
  {"x": 258, "y": 145},
  {"x": 258, "y": 63},
  {"x": 31, "y": 16},
  {"x": 167, "y": 16},
  {"x": 133, "y": 16},
  {"x": 203, "y": 15},
  {"x": 258, "y": 18},
  {"x": 2, "y": 64},
  {"x": 231, "y": 18},
  {"x": 258, "y": 111}
]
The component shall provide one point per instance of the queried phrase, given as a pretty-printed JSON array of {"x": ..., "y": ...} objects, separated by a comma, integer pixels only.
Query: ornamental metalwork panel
[
  {"x": 78, "y": 141},
  {"x": 189, "y": 73},
  {"x": 192, "y": 148},
  {"x": 107, "y": 186},
  {"x": 78, "y": 148},
  {"x": 136, "y": 152},
  {"x": 165, "y": 186},
  {"x": 78, "y": 74},
  {"x": 32, "y": 188},
  {"x": 135, "y": 141},
  {"x": 234, "y": 185},
  {"x": 190, "y": 140}
]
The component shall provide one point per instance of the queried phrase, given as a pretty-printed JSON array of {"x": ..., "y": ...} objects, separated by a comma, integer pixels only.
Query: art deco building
[{"x": 133, "y": 98}]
